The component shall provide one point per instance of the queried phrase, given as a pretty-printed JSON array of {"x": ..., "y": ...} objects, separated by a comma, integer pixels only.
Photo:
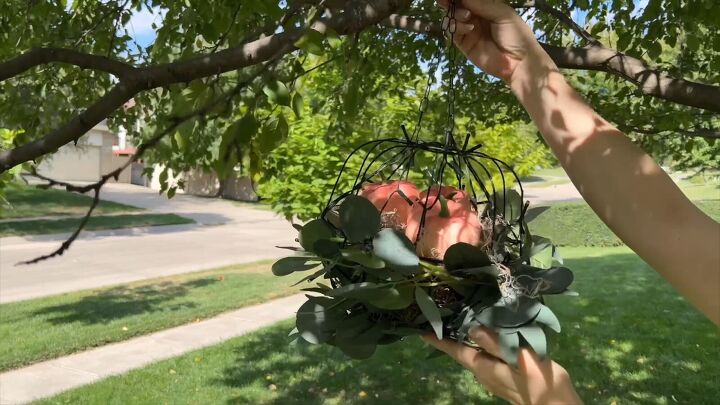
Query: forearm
[{"x": 624, "y": 186}]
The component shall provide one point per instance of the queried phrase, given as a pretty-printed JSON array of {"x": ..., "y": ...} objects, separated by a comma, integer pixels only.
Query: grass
[
  {"x": 260, "y": 205},
  {"x": 45, "y": 328},
  {"x": 575, "y": 224},
  {"x": 28, "y": 202},
  {"x": 551, "y": 172},
  {"x": 95, "y": 223},
  {"x": 706, "y": 191},
  {"x": 629, "y": 338}
]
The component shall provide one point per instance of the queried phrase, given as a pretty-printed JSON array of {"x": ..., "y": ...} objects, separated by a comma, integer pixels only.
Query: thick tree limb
[
  {"x": 649, "y": 81},
  {"x": 356, "y": 16},
  {"x": 44, "y": 56}
]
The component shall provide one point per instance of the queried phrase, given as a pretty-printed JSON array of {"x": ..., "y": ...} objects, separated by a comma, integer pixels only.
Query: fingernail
[{"x": 462, "y": 14}]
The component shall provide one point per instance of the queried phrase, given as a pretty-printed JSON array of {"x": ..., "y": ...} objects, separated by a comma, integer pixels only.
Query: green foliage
[
  {"x": 364, "y": 87},
  {"x": 8, "y": 139}
]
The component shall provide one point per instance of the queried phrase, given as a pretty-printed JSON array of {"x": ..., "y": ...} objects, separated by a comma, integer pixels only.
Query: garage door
[{"x": 73, "y": 163}]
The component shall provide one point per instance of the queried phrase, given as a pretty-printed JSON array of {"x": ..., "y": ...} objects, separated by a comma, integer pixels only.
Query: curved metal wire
[{"x": 473, "y": 171}]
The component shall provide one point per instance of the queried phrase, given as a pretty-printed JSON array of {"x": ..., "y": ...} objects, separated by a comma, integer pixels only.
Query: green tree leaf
[
  {"x": 277, "y": 93},
  {"x": 298, "y": 104},
  {"x": 312, "y": 42}
]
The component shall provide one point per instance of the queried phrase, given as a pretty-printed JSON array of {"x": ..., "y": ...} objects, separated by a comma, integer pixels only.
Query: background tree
[{"x": 224, "y": 81}]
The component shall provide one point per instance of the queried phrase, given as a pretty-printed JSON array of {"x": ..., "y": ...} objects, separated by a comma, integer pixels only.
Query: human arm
[{"x": 625, "y": 187}]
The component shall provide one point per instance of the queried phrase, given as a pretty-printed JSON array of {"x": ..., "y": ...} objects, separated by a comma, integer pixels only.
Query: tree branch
[
  {"x": 44, "y": 56},
  {"x": 693, "y": 133},
  {"x": 144, "y": 147},
  {"x": 357, "y": 15},
  {"x": 561, "y": 17},
  {"x": 649, "y": 81}
]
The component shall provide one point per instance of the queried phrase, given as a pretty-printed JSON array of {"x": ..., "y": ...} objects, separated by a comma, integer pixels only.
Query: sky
[{"x": 140, "y": 25}]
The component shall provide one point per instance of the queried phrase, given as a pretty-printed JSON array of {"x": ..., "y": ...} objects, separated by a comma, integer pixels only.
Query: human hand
[
  {"x": 535, "y": 381},
  {"x": 495, "y": 38}
]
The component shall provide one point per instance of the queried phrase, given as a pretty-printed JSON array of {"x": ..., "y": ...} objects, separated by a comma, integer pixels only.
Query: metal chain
[{"x": 449, "y": 28}]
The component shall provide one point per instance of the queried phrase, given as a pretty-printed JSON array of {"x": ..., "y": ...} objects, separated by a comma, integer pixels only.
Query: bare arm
[{"x": 624, "y": 186}]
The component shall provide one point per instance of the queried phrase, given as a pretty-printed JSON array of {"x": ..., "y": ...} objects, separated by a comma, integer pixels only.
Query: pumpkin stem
[{"x": 444, "y": 211}]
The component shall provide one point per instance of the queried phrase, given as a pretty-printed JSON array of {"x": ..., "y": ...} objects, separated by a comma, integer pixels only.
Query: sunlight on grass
[
  {"x": 28, "y": 201},
  {"x": 81, "y": 320},
  {"x": 95, "y": 223}
]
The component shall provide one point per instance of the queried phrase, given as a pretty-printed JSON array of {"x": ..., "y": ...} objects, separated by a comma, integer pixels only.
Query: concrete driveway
[{"x": 225, "y": 234}]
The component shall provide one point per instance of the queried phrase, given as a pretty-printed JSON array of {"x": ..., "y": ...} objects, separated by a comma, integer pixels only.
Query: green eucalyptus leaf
[
  {"x": 359, "y": 219},
  {"x": 311, "y": 277},
  {"x": 396, "y": 250},
  {"x": 509, "y": 347},
  {"x": 535, "y": 337},
  {"x": 326, "y": 248},
  {"x": 507, "y": 316},
  {"x": 312, "y": 232},
  {"x": 509, "y": 205},
  {"x": 534, "y": 212},
  {"x": 400, "y": 331},
  {"x": 288, "y": 265},
  {"x": 378, "y": 295},
  {"x": 314, "y": 322},
  {"x": 365, "y": 259},
  {"x": 548, "y": 318},
  {"x": 465, "y": 256},
  {"x": 542, "y": 258},
  {"x": 558, "y": 280},
  {"x": 539, "y": 244},
  {"x": 430, "y": 310}
]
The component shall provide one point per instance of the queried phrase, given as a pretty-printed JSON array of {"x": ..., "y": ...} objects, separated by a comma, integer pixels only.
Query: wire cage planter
[{"x": 378, "y": 279}]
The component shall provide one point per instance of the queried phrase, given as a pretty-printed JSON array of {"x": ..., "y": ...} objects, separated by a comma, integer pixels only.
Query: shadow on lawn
[
  {"x": 628, "y": 338},
  {"x": 120, "y": 302}
]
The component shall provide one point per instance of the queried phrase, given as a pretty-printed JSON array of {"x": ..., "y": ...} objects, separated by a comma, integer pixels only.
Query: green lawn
[
  {"x": 46, "y": 328},
  {"x": 95, "y": 223},
  {"x": 27, "y": 202},
  {"x": 575, "y": 224},
  {"x": 260, "y": 205},
  {"x": 628, "y": 339},
  {"x": 707, "y": 191}
]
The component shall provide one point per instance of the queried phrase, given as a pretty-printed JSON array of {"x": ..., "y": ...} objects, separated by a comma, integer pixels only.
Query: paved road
[{"x": 225, "y": 234}]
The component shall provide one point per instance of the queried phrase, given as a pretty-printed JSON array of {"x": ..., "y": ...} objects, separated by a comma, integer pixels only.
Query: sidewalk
[{"x": 49, "y": 378}]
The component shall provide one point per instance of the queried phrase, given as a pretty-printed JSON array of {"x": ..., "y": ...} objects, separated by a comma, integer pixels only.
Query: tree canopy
[{"x": 224, "y": 82}]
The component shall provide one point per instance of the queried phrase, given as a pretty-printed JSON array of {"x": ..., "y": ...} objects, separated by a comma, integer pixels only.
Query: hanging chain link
[{"x": 449, "y": 28}]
